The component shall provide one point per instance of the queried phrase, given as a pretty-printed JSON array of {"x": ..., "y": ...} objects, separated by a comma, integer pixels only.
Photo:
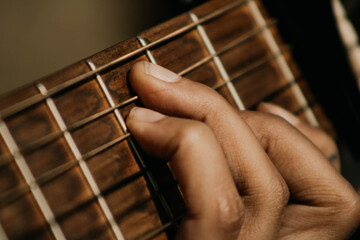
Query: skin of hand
[{"x": 243, "y": 174}]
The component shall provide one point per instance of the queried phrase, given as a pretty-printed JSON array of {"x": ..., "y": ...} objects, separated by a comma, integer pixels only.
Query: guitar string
[
  {"x": 235, "y": 43},
  {"x": 97, "y": 151},
  {"x": 38, "y": 98},
  {"x": 55, "y": 172},
  {"x": 8, "y": 157},
  {"x": 139, "y": 205},
  {"x": 150, "y": 176},
  {"x": 51, "y": 174},
  {"x": 69, "y": 165},
  {"x": 116, "y": 108},
  {"x": 46, "y": 139},
  {"x": 282, "y": 63}
]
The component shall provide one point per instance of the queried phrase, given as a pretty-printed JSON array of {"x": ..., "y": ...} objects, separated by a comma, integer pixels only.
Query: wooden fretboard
[{"x": 69, "y": 168}]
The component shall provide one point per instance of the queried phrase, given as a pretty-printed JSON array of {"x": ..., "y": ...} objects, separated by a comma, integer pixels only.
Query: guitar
[{"x": 70, "y": 168}]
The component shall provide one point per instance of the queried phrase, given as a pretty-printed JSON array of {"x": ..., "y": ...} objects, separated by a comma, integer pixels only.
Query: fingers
[
  {"x": 198, "y": 163},
  {"x": 317, "y": 190},
  {"x": 323, "y": 141},
  {"x": 259, "y": 183}
]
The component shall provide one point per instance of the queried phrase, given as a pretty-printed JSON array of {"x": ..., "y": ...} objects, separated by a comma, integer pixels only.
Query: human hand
[{"x": 246, "y": 175}]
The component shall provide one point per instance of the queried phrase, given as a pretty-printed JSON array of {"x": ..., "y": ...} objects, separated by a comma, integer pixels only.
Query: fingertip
[
  {"x": 144, "y": 115},
  {"x": 136, "y": 72},
  {"x": 153, "y": 70},
  {"x": 279, "y": 111}
]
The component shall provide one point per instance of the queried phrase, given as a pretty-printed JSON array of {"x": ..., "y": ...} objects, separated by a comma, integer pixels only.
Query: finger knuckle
[
  {"x": 230, "y": 211},
  {"x": 348, "y": 206},
  {"x": 193, "y": 133},
  {"x": 277, "y": 194}
]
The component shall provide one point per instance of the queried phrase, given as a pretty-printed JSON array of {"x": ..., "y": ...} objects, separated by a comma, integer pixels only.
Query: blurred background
[{"x": 39, "y": 37}]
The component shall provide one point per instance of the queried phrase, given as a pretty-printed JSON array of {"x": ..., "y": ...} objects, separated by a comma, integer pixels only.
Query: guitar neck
[{"x": 70, "y": 168}]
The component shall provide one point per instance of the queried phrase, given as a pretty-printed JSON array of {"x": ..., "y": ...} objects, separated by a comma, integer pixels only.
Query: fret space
[
  {"x": 23, "y": 214},
  {"x": 97, "y": 133},
  {"x": 136, "y": 211},
  {"x": 80, "y": 102},
  {"x": 53, "y": 155},
  {"x": 181, "y": 53},
  {"x": 115, "y": 78},
  {"x": 238, "y": 22},
  {"x": 73, "y": 203},
  {"x": 206, "y": 74},
  {"x": 110, "y": 169},
  {"x": 10, "y": 177},
  {"x": 31, "y": 124}
]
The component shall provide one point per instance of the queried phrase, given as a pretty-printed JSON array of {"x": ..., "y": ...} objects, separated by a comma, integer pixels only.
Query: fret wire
[
  {"x": 143, "y": 43},
  {"x": 83, "y": 166},
  {"x": 46, "y": 139},
  {"x": 52, "y": 136},
  {"x": 108, "y": 97},
  {"x": 256, "y": 65},
  {"x": 233, "y": 44},
  {"x": 3, "y": 235},
  {"x": 61, "y": 169},
  {"x": 37, "y": 98},
  {"x": 121, "y": 120},
  {"x": 285, "y": 68},
  {"x": 5, "y": 158},
  {"x": 30, "y": 181},
  {"x": 220, "y": 67},
  {"x": 53, "y": 173},
  {"x": 149, "y": 175}
]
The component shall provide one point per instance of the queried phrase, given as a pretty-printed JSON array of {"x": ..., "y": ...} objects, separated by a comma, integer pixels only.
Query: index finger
[{"x": 257, "y": 179}]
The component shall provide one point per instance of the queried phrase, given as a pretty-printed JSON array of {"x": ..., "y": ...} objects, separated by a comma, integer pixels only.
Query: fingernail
[
  {"x": 160, "y": 72},
  {"x": 145, "y": 115},
  {"x": 274, "y": 109}
]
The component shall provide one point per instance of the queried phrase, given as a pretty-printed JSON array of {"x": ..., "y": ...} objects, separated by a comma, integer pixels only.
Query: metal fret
[
  {"x": 31, "y": 182},
  {"x": 106, "y": 92},
  {"x": 283, "y": 65},
  {"x": 83, "y": 166},
  {"x": 38, "y": 98},
  {"x": 5, "y": 158},
  {"x": 148, "y": 53},
  {"x": 53, "y": 173},
  {"x": 223, "y": 73},
  {"x": 233, "y": 44},
  {"x": 142, "y": 162},
  {"x": 65, "y": 167},
  {"x": 124, "y": 128}
]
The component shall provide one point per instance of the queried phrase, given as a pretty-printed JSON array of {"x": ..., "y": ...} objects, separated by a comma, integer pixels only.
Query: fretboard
[{"x": 70, "y": 168}]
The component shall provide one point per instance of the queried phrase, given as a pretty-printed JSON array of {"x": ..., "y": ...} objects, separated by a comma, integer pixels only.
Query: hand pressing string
[{"x": 243, "y": 174}]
